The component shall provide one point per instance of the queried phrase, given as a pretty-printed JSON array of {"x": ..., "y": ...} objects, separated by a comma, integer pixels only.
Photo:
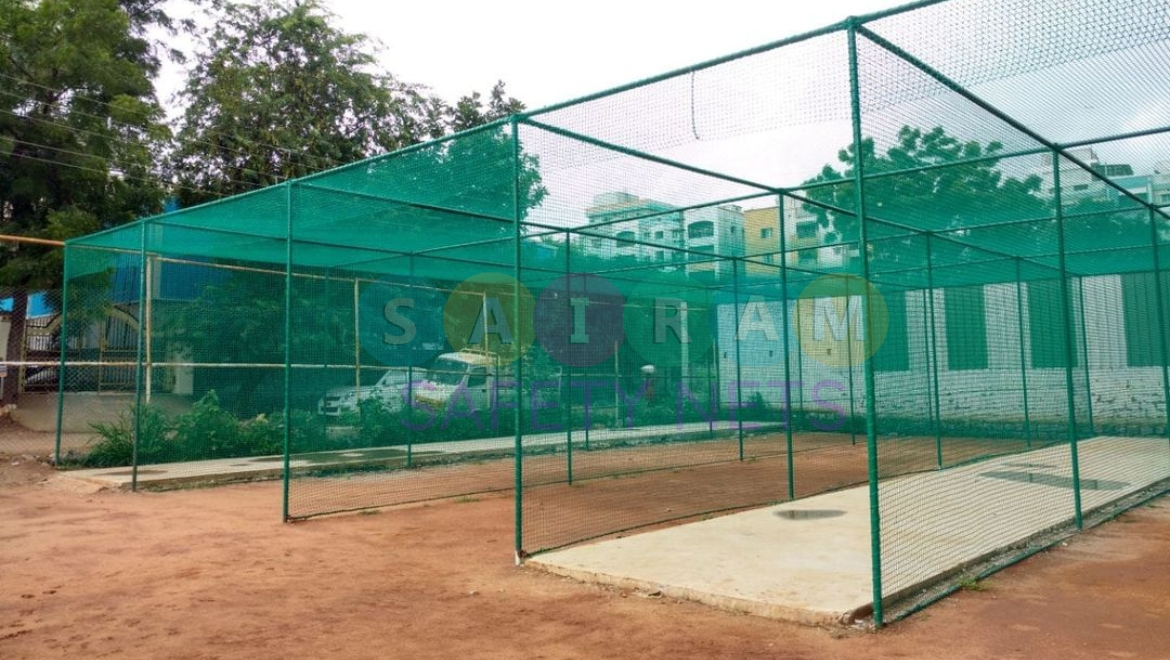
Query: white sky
[{"x": 548, "y": 51}]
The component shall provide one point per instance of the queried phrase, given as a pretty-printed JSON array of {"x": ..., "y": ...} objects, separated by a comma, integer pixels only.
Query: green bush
[{"x": 115, "y": 444}]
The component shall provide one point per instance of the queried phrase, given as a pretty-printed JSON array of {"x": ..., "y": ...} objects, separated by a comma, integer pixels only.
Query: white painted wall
[{"x": 1119, "y": 392}]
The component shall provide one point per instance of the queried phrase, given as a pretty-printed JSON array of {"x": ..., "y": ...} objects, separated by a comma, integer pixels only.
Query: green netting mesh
[{"x": 925, "y": 252}]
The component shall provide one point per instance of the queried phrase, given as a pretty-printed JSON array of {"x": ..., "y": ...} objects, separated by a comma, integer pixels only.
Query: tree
[
  {"x": 278, "y": 92},
  {"x": 947, "y": 197},
  {"x": 470, "y": 112},
  {"x": 79, "y": 126}
]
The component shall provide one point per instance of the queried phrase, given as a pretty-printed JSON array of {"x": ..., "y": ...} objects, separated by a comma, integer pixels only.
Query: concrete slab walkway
[
  {"x": 809, "y": 561},
  {"x": 268, "y": 467}
]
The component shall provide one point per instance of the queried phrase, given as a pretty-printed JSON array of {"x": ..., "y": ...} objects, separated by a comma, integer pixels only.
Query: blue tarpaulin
[{"x": 37, "y": 305}]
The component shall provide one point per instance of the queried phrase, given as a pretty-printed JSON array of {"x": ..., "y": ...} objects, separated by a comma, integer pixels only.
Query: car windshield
[
  {"x": 392, "y": 379},
  {"x": 447, "y": 372}
]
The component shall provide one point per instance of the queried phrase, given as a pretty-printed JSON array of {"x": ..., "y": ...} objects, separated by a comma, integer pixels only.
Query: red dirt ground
[{"x": 212, "y": 573}]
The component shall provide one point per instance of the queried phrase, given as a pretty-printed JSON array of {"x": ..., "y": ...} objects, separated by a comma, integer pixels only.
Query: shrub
[{"x": 115, "y": 444}]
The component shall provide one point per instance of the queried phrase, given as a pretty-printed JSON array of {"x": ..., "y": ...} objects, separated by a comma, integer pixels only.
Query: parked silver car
[{"x": 388, "y": 390}]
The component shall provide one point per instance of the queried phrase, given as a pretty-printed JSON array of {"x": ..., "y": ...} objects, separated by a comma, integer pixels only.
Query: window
[
  {"x": 1139, "y": 296},
  {"x": 766, "y": 232},
  {"x": 1081, "y": 186},
  {"x": 659, "y": 234},
  {"x": 626, "y": 236},
  {"x": 768, "y": 258},
  {"x": 704, "y": 229},
  {"x": 1045, "y": 334},
  {"x": 660, "y": 256},
  {"x": 966, "y": 328},
  {"x": 894, "y": 353},
  {"x": 806, "y": 230},
  {"x": 676, "y": 234}
]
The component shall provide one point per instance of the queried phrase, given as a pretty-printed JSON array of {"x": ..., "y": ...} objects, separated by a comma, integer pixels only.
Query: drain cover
[{"x": 809, "y": 514}]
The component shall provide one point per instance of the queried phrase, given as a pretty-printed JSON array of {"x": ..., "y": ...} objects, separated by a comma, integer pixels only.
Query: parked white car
[{"x": 388, "y": 390}]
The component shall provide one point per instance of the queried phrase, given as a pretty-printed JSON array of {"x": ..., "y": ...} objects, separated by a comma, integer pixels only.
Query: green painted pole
[
  {"x": 1163, "y": 319},
  {"x": 849, "y": 360},
  {"x": 1085, "y": 354},
  {"x": 938, "y": 446},
  {"x": 410, "y": 381},
  {"x": 568, "y": 407},
  {"x": 1070, "y": 353},
  {"x": 875, "y": 526},
  {"x": 518, "y": 440},
  {"x": 738, "y": 360},
  {"x": 61, "y": 366},
  {"x": 143, "y": 277},
  {"x": 799, "y": 355},
  {"x": 288, "y": 299},
  {"x": 780, "y": 221},
  {"x": 1023, "y": 354},
  {"x": 926, "y": 356}
]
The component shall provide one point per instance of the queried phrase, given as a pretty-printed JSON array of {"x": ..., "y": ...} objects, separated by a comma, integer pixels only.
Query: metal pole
[
  {"x": 410, "y": 378},
  {"x": 568, "y": 407},
  {"x": 934, "y": 349},
  {"x": 357, "y": 343},
  {"x": 148, "y": 301},
  {"x": 1023, "y": 354},
  {"x": 1069, "y": 349},
  {"x": 143, "y": 292},
  {"x": 870, "y": 411},
  {"x": 64, "y": 341},
  {"x": 738, "y": 360},
  {"x": 780, "y": 221},
  {"x": 1160, "y": 292},
  {"x": 926, "y": 356},
  {"x": 518, "y": 476},
  {"x": 714, "y": 405},
  {"x": 849, "y": 362},
  {"x": 799, "y": 352},
  {"x": 288, "y": 279},
  {"x": 1085, "y": 352}
]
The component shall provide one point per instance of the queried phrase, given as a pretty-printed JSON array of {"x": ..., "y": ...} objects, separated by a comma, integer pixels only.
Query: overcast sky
[{"x": 548, "y": 51}]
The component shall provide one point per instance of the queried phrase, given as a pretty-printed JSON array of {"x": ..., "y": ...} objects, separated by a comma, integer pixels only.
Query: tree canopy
[
  {"x": 937, "y": 199},
  {"x": 80, "y": 130}
]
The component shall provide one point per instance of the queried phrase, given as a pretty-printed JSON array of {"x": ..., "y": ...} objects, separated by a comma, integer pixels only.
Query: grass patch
[{"x": 972, "y": 583}]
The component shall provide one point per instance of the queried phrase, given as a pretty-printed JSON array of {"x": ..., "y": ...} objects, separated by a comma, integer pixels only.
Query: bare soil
[{"x": 212, "y": 573}]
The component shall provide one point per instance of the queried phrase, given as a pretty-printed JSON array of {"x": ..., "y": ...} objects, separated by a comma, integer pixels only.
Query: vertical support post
[
  {"x": 143, "y": 315},
  {"x": 796, "y": 327},
  {"x": 568, "y": 407},
  {"x": 934, "y": 350},
  {"x": 288, "y": 279},
  {"x": 148, "y": 300},
  {"x": 738, "y": 361},
  {"x": 716, "y": 393},
  {"x": 849, "y": 362},
  {"x": 409, "y": 403},
  {"x": 1085, "y": 354},
  {"x": 926, "y": 355},
  {"x": 61, "y": 365},
  {"x": 1163, "y": 318},
  {"x": 518, "y": 440},
  {"x": 784, "y": 328},
  {"x": 1070, "y": 353},
  {"x": 870, "y": 410},
  {"x": 1023, "y": 353},
  {"x": 357, "y": 342}
]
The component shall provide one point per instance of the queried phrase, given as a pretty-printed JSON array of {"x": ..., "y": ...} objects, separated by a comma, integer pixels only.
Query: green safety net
[{"x": 894, "y": 253}]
